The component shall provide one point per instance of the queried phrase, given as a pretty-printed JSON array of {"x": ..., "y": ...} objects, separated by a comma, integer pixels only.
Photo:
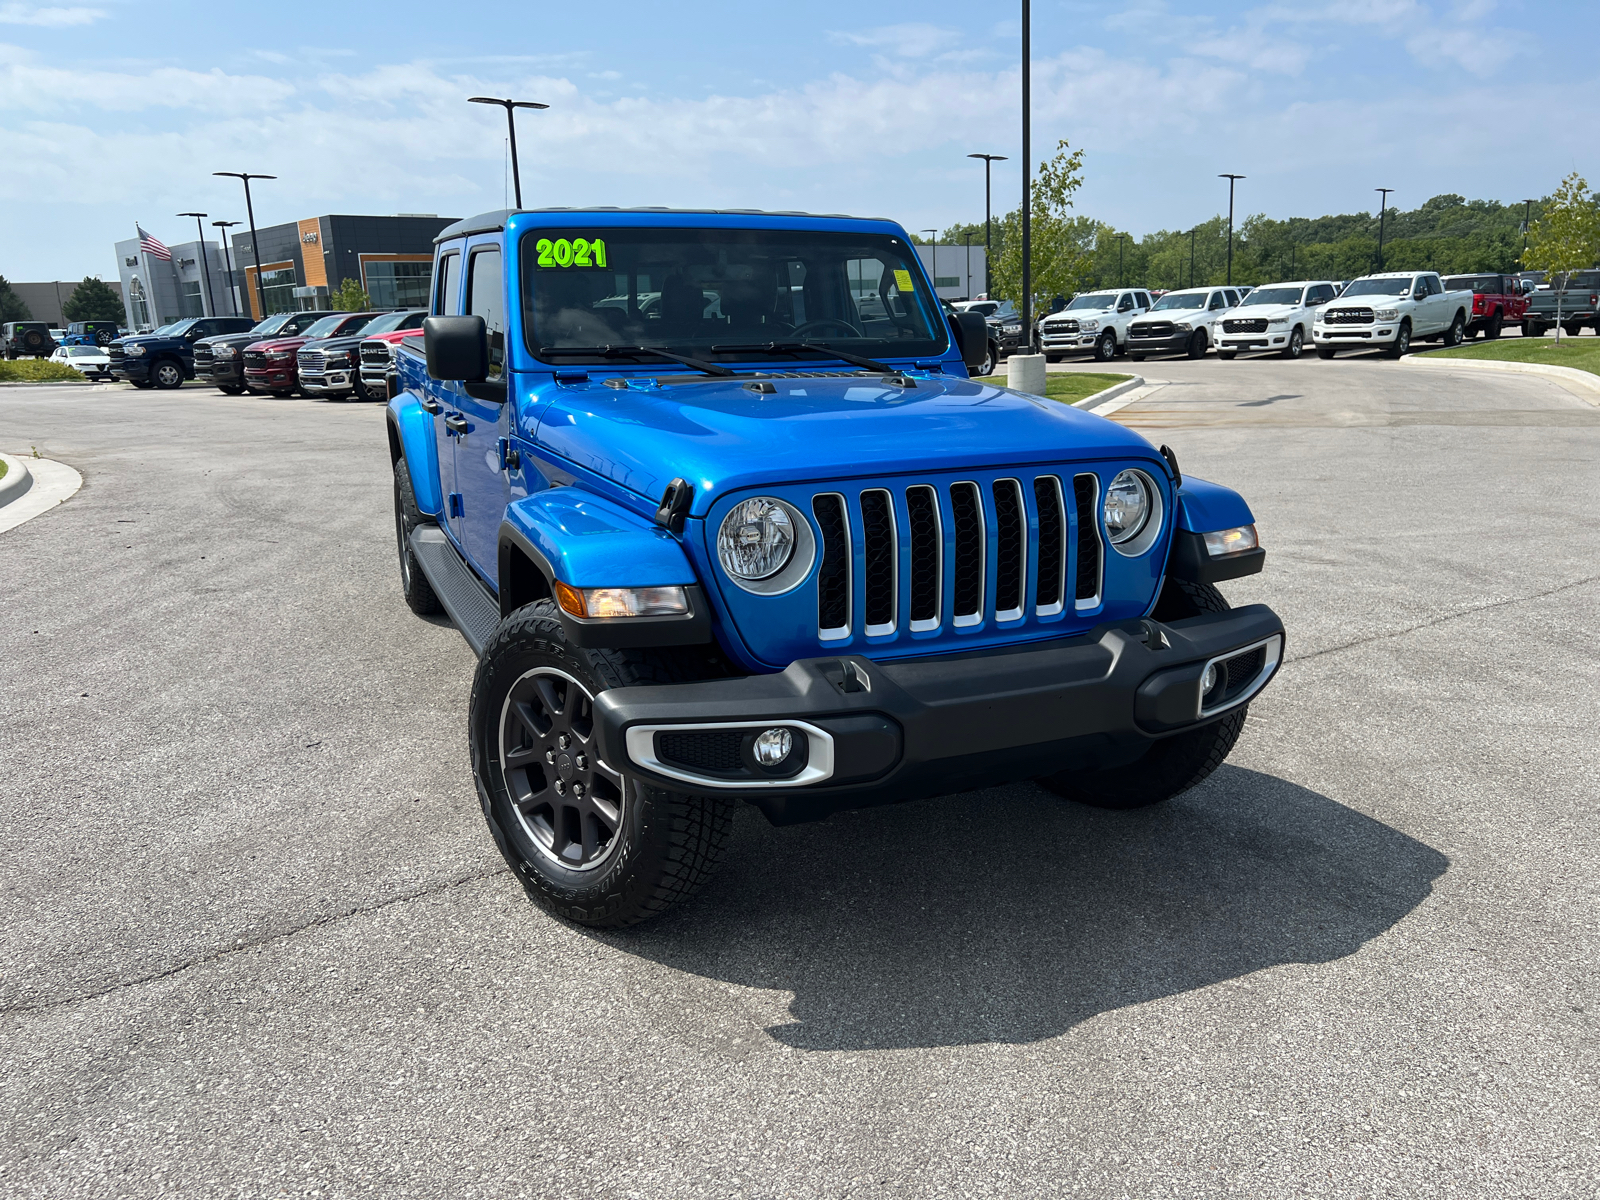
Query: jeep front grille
[
  {"x": 1347, "y": 316},
  {"x": 1245, "y": 325},
  {"x": 867, "y": 532}
]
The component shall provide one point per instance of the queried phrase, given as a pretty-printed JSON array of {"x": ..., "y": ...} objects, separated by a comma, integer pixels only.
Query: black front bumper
[
  {"x": 927, "y": 727},
  {"x": 223, "y": 372},
  {"x": 1172, "y": 343},
  {"x": 131, "y": 369}
]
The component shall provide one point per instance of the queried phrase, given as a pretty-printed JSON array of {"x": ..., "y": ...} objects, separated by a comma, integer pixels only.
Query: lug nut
[
  {"x": 550, "y": 757},
  {"x": 582, "y": 762},
  {"x": 561, "y": 787},
  {"x": 577, "y": 789},
  {"x": 563, "y": 741}
]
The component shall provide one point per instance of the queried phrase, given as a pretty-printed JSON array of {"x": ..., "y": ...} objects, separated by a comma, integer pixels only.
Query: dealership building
[{"x": 302, "y": 264}]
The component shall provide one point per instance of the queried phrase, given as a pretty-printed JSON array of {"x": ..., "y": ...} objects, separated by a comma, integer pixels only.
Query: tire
[
  {"x": 620, "y": 851},
  {"x": 1105, "y": 349},
  {"x": 1457, "y": 333},
  {"x": 230, "y": 389},
  {"x": 1198, "y": 343},
  {"x": 167, "y": 374},
  {"x": 1297, "y": 343},
  {"x": 1496, "y": 325},
  {"x": 991, "y": 361},
  {"x": 1327, "y": 351},
  {"x": 1135, "y": 357},
  {"x": 1173, "y": 764},
  {"x": 414, "y": 585},
  {"x": 1572, "y": 328},
  {"x": 1227, "y": 355},
  {"x": 358, "y": 389},
  {"x": 1052, "y": 358},
  {"x": 141, "y": 383},
  {"x": 1402, "y": 341},
  {"x": 1532, "y": 329},
  {"x": 283, "y": 393}
]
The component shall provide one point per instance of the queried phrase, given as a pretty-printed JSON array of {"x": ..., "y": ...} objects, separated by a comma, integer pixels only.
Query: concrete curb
[
  {"x": 1583, "y": 379},
  {"x": 1111, "y": 393},
  {"x": 53, "y": 483},
  {"x": 9, "y": 383},
  {"x": 15, "y": 481}
]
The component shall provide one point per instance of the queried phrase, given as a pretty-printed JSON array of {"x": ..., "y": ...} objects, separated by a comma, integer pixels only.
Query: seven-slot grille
[
  {"x": 1245, "y": 325},
  {"x": 1150, "y": 329},
  {"x": 312, "y": 361},
  {"x": 374, "y": 354},
  {"x": 1347, "y": 316},
  {"x": 943, "y": 555}
]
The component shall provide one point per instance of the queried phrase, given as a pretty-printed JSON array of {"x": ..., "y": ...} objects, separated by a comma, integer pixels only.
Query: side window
[
  {"x": 1232, "y": 297},
  {"x": 414, "y": 321},
  {"x": 1143, "y": 299},
  {"x": 1435, "y": 288},
  {"x": 487, "y": 300},
  {"x": 447, "y": 294},
  {"x": 1218, "y": 302},
  {"x": 1125, "y": 304}
]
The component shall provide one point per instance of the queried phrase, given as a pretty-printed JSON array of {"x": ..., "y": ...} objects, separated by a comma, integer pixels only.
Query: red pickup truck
[{"x": 1497, "y": 301}]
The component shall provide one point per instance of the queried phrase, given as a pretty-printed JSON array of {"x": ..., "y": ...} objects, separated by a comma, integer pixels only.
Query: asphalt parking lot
[{"x": 257, "y": 942}]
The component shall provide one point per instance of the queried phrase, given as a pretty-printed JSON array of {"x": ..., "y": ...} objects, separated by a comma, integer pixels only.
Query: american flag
[{"x": 152, "y": 245}]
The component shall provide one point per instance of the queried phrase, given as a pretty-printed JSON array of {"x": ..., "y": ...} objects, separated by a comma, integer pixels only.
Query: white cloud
[
  {"x": 48, "y": 17},
  {"x": 1481, "y": 51},
  {"x": 904, "y": 41}
]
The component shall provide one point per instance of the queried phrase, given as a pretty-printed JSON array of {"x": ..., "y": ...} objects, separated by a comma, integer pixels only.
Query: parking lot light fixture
[
  {"x": 934, "y": 270},
  {"x": 511, "y": 123},
  {"x": 255, "y": 250},
  {"x": 205, "y": 265},
  {"x": 1527, "y": 219},
  {"x": 1383, "y": 206},
  {"x": 1232, "y": 179},
  {"x": 222, "y": 228},
  {"x": 988, "y": 212}
]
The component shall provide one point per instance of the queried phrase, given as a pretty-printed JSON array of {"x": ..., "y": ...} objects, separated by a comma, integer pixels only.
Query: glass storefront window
[
  {"x": 279, "y": 288},
  {"x": 136, "y": 301},
  {"x": 189, "y": 303},
  {"x": 398, "y": 284}
]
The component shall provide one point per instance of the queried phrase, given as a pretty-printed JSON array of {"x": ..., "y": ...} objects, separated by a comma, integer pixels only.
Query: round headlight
[
  {"x": 1127, "y": 507},
  {"x": 756, "y": 539}
]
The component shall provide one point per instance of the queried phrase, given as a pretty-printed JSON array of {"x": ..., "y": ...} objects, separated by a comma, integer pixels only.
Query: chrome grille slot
[
  {"x": 1245, "y": 325},
  {"x": 881, "y": 554},
  {"x": 1086, "y": 490},
  {"x": 927, "y": 556},
  {"x": 1347, "y": 316},
  {"x": 833, "y": 576},
  {"x": 966, "y": 516},
  {"x": 1011, "y": 565},
  {"x": 1052, "y": 544}
]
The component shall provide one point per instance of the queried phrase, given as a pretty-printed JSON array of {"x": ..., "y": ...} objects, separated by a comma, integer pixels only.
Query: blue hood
[{"x": 721, "y": 436}]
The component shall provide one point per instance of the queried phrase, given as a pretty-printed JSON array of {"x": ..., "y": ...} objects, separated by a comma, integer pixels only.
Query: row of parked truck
[
  {"x": 321, "y": 353},
  {"x": 1388, "y": 310}
]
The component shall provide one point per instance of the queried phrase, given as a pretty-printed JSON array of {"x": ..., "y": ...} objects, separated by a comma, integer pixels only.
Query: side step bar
[{"x": 470, "y": 604}]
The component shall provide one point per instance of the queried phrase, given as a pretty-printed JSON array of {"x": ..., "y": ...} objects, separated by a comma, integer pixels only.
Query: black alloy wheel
[
  {"x": 1297, "y": 343},
  {"x": 1532, "y": 329},
  {"x": 167, "y": 374},
  {"x": 1227, "y": 355},
  {"x": 569, "y": 803},
  {"x": 1327, "y": 351},
  {"x": 414, "y": 585},
  {"x": 1197, "y": 344},
  {"x": 358, "y": 386},
  {"x": 1496, "y": 324},
  {"x": 1106, "y": 348}
]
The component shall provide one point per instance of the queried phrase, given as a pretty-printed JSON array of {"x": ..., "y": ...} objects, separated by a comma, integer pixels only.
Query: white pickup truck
[
  {"x": 1094, "y": 323},
  {"x": 1390, "y": 311}
]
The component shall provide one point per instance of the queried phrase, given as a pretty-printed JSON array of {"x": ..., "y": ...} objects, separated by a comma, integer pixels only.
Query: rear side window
[
  {"x": 487, "y": 299},
  {"x": 447, "y": 297},
  {"x": 1143, "y": 298},
  {"x": 1217, "y": 302}
]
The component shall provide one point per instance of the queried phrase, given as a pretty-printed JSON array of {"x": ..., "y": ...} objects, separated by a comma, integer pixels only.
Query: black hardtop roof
[{"x": 495, "y": 220}]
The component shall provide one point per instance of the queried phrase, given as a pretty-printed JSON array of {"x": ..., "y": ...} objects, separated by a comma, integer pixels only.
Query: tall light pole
[
  {"x": 205, "y": 267},
  {"x": 988, "y": 218},
  {"x": 1192, "y": 232},
  {"x": 968, "y": 288},
  {"x": 1122, "y": 239},
  {"x": 511, "y": 123},
  {"x": 1232, "y": 179},
  {"x": 1383, "y": 206},
  {"x": 222, "y": 228},
  {"x": 1527, "y": 219},
  {"x": 255, "y": 250},
  {"x": 1027, "y": 174},
  {"x": 934, "y": 270}
]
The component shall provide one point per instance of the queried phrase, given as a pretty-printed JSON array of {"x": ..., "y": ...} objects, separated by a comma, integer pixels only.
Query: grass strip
[
  {"x": 1580, "y": 353},
  {"x": 1069, "y": 386}
]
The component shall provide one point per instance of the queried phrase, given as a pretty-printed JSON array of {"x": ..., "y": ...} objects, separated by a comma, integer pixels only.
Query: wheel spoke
[
  {"x": 531, "y": 720},
  {"x": 521, "y": 757},
  {"x": 554, "y": 701}
]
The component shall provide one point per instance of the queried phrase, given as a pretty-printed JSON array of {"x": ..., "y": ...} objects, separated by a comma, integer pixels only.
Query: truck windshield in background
[
  {"x": 1282, "y": 295},
  {"x": 1377, "y": 287},
  {"x": 721, "y": 293}
]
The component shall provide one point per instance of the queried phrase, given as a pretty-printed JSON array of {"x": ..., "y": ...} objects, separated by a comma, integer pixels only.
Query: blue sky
[{"x": 112, "y": 112}]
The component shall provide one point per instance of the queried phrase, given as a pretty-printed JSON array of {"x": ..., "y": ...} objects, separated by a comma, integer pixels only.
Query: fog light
[
  {"x": 1209, "y": 679},
  {"x": 772, "y": 746},
  {"x": 1231, "y": 541}
]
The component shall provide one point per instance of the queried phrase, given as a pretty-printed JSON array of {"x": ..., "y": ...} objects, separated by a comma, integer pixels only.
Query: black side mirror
[
  {"x": 971, "y": 332},
  {"x": 457, "y": 348}
]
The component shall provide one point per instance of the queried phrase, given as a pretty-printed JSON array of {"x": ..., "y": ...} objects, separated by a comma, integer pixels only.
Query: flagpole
[{"x": 149, "y": 282}]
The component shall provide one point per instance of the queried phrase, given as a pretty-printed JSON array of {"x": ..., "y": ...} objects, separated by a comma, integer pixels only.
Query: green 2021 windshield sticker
[{"x": 574, "y": 252}]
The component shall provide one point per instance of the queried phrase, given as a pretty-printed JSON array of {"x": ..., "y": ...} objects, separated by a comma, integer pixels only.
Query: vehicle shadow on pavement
[{"x": 1011, "y": 915}]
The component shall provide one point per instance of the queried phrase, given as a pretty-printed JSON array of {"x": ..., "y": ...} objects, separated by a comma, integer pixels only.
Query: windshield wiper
[
  {"x": 855, "y": 360},
  {"x": 699, "y": 364}
]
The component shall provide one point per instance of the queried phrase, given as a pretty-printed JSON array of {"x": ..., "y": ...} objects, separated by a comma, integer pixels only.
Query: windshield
[
  {"x": 167, "y": 330},
  {"x": 1183, "y": 300},
  {"x": 324, "y": 327},
  {"x": 1272, "y": 295},
  {"x": 273, "y": 323},
  {"x": 83, "y": 351},
  {"x": 1473, "y": 283},
  {"x": 714, "y": 293},
  {"x": 1378, "y": 287},
  {"x": 1094, "y": 300},
  {"x": 389, "y": 322},
  {"x": 1579, "y": 279}
]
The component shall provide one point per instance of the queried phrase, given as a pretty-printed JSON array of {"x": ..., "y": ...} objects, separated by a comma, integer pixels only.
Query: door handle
[
  {"x": 431, "y": 405},
  {"x": 457, "y": 422}
]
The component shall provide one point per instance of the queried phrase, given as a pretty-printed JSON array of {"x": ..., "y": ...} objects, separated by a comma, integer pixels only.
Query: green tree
[
  {"x": 92, "y": 300},
  {"x": 350, "y": 297},
  {"x": 11, "y": 306},
  {"x": 1566, "y": 238},
  {"x": 1061, "y": 246}
]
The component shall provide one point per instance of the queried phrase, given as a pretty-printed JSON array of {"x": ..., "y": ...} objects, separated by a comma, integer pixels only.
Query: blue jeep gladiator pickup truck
[{"x": 714, "y": 500}]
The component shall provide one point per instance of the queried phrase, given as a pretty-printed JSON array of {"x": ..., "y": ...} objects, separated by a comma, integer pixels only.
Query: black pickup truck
[
  {"x": 220, "y": 360},
  {"x": 165, "y": 358}
]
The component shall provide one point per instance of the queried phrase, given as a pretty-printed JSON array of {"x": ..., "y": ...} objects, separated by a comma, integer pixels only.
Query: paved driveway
[{"x": 254, "y": 940}]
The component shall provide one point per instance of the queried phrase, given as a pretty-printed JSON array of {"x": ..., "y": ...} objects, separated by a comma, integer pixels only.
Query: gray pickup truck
[{"x": 1572, "y": 303}]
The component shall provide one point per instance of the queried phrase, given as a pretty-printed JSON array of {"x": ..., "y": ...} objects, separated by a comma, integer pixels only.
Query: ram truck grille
[
  {"x": 117, "y": 355},
  {"x": 1347, "y": 316},
  {"x": 202, "y": 358},
  {"x": 375, "y": 354},
  {"x": 1060, "y": 327},
  {"x": 1245, "y": 325},
  {"x": 312, "y": 361},
  {"x": 254, "y": 358},
  {"x": 1151, "y": 329}
]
